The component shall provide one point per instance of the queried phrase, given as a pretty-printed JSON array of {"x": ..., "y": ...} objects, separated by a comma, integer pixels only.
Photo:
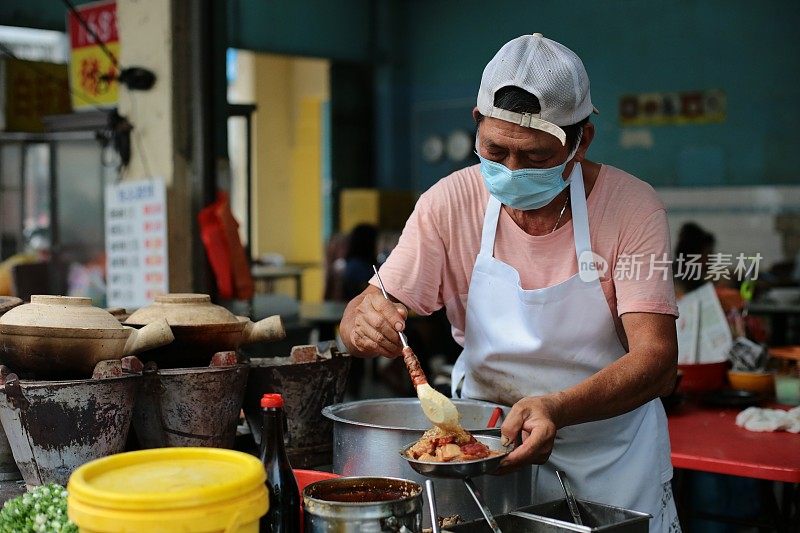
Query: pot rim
[
  {"x": 331, "y": 410},
  {"x": 65, "y": 333},
  {"x": 365, "y": 479},
  {"x": 199, "y": 370},
  {"x": 29, "y": 384},
  {"x": 223, "y": 327}
]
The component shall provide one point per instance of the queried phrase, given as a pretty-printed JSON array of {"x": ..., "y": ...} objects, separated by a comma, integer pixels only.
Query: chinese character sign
[
  {"x": 91, "y": 71},
  {"x": 136, "y": 242},
  {"x": 668, "y": 109}
]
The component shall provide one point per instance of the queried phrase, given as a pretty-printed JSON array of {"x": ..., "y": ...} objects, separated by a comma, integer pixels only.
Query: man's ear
[
  {"x": 586, "y": 140},
  {"x": 476, "y": 115}
]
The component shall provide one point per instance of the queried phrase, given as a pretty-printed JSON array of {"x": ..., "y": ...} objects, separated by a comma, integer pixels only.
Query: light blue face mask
[{"x": 525, "y": 188}]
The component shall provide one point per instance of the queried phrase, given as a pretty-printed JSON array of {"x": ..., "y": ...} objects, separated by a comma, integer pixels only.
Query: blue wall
[
  {"x": 428, "y": 56},
  {"x": 340, "y": 29},
  {"x": 751, "y": 50},
  {"x": 41, "y": 14}
]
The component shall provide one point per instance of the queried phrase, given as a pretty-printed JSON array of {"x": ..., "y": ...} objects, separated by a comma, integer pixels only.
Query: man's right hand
[{"x": 371, "y": 324}]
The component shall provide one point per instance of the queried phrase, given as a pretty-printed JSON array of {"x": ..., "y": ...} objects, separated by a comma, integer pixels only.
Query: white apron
[{"x": 522, "y": 343}]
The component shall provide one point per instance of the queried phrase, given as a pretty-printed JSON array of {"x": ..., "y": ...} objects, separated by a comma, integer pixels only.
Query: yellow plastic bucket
[{"x": 200, "y": 490}]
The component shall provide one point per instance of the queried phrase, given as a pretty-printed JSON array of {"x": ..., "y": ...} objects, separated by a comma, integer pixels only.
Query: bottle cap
[{"x": 271, "y": 400}]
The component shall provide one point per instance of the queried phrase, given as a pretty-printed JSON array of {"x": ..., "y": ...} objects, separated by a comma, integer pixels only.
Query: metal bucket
[
  {"x": 368, "y": 436},
  {"x": 189, "y": 406},
  {"x": 306, "y": 388},
  {"x": 53, "y": 427},
  {"x": 358, "y": 504},
  {"x": 8, "y": 468}
]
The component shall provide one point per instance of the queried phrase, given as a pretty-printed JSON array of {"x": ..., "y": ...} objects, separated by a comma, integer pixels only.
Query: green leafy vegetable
[{"x": 42, "y": 510}]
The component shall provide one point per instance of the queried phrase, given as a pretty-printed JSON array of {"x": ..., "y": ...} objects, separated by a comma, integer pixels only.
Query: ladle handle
[
  {"x": 487, "y": 514},
  {"x": 403, "y": 339},
  {"x": 432, "y": 506},
  {"x": 571, "y": 503}
]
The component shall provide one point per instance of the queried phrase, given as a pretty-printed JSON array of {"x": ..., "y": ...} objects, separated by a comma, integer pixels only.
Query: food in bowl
[{"x": 444, "y": 446}]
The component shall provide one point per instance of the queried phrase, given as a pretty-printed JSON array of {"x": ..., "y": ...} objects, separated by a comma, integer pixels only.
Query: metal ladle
[
  {"x": 432, "y": 506},
  {"x": 438, "y": 408},
  {"x": 571, "y": 503},
  {"x": 487, "y": 514}
]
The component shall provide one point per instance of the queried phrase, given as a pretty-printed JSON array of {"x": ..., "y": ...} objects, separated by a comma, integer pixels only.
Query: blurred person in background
[
  {"x": 362, "y": 251},
  {"x": 693, "y": 242},
  {"x": 37, "y": 249},
  {"x": 355, "y": 272}
]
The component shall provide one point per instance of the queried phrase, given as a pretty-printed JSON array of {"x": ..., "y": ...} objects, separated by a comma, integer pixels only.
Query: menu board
[{"x": 136, "y": 243}]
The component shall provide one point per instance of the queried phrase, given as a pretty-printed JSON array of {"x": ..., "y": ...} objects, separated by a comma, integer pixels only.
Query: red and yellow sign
[{"x": 91, "y": 71}]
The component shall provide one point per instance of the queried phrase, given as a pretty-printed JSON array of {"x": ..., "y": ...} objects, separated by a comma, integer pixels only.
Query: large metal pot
[
  {"x": 201, "y": 329},
  {"x": 368, "y": 436},
  {"x": 359, "y": 504},
  {"x": 65, "y": 336}
]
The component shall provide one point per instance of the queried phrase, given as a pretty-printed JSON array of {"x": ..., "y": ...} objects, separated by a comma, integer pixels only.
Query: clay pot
[
  {"x": 201, "y": 329},
  {"x": 65, "y": 335}
]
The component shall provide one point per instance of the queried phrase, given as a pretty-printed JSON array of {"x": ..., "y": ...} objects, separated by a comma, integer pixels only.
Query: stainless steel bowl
[
  {"x": 368, "y": 434},
  {"x": 361, "y": 504},
  {"x": 461, "y": 469}
]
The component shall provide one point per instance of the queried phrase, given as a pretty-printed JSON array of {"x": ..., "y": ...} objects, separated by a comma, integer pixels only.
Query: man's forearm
[{"x": 633, "y": 380}]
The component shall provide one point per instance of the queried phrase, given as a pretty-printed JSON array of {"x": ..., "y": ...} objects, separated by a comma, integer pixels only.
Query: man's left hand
[{"x": 535, "y": 419}]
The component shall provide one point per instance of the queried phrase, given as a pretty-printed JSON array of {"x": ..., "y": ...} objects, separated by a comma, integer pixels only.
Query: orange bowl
[
  {"x": 703, "y": 377},
  {"x": 759, "y": 382}
]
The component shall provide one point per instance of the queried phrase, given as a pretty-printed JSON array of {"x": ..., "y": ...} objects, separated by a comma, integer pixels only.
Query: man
[{"x": 582, "y": 355}]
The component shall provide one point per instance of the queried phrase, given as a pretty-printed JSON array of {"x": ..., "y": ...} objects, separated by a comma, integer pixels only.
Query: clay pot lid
[
  {"x": 183, "y": 309},
  {"x": 64, "y": 312}
]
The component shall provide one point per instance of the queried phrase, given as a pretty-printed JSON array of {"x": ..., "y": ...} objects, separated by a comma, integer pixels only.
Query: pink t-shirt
[{"x": 431, "y": 266}]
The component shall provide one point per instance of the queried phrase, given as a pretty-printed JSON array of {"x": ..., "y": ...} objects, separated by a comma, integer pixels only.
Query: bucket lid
[{"x": 167, "y": 479}]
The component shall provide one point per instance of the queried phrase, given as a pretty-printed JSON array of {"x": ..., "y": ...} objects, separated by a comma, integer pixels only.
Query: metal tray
[{"x": 553, "y": 517}]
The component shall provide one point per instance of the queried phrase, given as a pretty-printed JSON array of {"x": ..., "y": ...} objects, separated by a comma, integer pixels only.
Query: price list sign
[{"x": 136, "y": 243}]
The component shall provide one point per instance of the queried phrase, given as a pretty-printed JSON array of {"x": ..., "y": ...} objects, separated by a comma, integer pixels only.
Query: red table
[{"x": 708, "y": 440}]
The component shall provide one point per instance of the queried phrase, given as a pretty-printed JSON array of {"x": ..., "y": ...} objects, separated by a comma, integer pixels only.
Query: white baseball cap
[{"x": 548, "y": 70}]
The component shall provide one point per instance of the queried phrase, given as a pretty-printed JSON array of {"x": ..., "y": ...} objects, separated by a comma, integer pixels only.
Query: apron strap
[
  {"x": 580, "y": 213},
  {"x": 490, "y": 226}
]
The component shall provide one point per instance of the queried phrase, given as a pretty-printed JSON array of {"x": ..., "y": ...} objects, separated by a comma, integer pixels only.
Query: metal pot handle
[{"x": 14, "y": 392}]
